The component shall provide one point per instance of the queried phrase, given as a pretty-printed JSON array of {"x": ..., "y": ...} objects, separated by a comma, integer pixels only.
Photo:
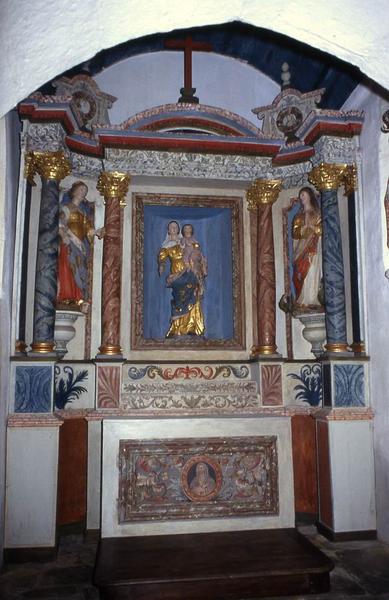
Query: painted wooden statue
[
  {"x": 188, "y": 268},
  {"x": 307, "y": 252},
  {"x": 76, "y": 236}
]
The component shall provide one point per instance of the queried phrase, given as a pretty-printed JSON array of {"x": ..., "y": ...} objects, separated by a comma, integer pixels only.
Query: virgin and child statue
[{"x": 188, "y": 269}]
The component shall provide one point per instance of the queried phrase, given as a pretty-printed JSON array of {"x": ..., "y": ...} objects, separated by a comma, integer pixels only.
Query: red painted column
[
  {"x": 113, "y": 186},
  {"x": 260, "y": 198}
]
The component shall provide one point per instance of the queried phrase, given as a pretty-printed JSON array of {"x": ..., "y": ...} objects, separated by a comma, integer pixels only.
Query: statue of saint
[
  {"x": 76, "y": 236},
  {"x": 188, "y": 268},
  {"x": 202, "y": 484},
  {"x": 307, "y": 253}
]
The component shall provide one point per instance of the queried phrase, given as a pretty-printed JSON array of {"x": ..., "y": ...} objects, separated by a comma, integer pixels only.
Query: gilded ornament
[
  {"x": 358, "y": 347},
  {"x": 327, "y": 176},
  {"x": 350, "y": 180},
  {"x": 337, "y": 347},
  {"x": 30, "y": 168},
  {"x": 263, "y": 191},
  {"x": 51, "y": 165},
  {"x": 263, "y": 350},
  {"x": 42, "y": 347},
  {"x": 20, "y": 347},
  {"x": 110, "y": 350},
  {"x": 113, "y": 184}
]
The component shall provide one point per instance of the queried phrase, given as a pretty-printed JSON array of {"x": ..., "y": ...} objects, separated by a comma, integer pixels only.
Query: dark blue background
[{"x": 212, "y": 229}]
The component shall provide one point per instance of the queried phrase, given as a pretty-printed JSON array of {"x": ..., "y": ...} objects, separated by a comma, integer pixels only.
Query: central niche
[{"x": 216, "y": 232}]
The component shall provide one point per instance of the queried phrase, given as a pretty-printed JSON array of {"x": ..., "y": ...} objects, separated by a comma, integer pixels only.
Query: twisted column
[
  {"x": 327, "y": 178},
  {"x": 113, "y": 186},
  {"x": 260, "y": 198},
  {"x": 52, "y": 167}
]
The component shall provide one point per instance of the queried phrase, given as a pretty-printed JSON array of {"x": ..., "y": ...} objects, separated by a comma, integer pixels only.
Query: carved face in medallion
[{"x": 201, "y": 478}]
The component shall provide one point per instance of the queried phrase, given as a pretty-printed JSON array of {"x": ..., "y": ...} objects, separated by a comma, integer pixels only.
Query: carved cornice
[
  {"x": 113, "y": 184},
  {"x": 350, "y": 180},
  {"x": 51, "y": 165},
  {"x": 330, "y": 149},
  {"x": 45, "y": 137},
  {"x": 263, "y": 191},
  {"x": 327, "y": 176}
]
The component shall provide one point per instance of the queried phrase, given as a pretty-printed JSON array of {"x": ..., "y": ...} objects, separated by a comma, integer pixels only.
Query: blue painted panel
[
  {"x": 349, "y": 385},
  {"x": 212, "y": 229},
  {"x": 33, "y": 389}
]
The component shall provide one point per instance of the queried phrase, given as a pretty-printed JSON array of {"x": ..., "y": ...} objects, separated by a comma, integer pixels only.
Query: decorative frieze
[
  {"x": 45, "y": 137},
  {"x": 188, "y": 164},
  {"x": 196, "y": 166},
  {"x": 330, "y": 149}
]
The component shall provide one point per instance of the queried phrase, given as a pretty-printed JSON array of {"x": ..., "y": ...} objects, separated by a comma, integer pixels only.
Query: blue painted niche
[{"x": 213, "y": 230}]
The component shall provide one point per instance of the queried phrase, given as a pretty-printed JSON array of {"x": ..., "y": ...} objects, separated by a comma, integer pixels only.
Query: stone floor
[{"x": 361, "y": 572}]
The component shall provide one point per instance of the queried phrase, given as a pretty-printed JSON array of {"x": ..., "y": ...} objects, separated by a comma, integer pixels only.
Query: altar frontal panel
[
  {"x": 194, "y": 478},
  {"x": 196, "y": 475}
]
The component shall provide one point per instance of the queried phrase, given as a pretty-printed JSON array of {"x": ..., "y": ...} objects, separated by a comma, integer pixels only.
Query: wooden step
[{"x": 211, "y": 566}]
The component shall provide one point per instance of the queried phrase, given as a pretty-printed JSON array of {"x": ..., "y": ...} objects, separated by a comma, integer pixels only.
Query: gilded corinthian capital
[
  {"x": 263, "y": 191},
  {"x": 327, "y": 176},
  {"x": 113, "y": 184},
  {"x": 50, "y": 165},
  {"x": 350, "y": 180},
  {"x": 29, "y": 167}
]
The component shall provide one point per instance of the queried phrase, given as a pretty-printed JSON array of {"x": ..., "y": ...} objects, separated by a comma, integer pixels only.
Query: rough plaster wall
[
  {"x": 219, "y": 81},
  {"x": 68, "y": 32},
  {"x": 375, "y": 171},
  {"x": 9, "y": 165}
]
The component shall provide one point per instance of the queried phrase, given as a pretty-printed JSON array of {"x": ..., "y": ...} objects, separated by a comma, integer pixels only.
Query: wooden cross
[{"x": 188, "y": 45}]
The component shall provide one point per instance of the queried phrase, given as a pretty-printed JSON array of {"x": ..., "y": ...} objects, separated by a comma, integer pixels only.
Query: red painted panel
[
  {"x": 304, "y": 464},
  {"x": 324, "y": 473},
  {"x": 72, "y": 470}
]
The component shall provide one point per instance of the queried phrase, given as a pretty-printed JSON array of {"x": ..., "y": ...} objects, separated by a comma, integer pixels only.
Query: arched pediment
[{"x": 191, "y": 118}]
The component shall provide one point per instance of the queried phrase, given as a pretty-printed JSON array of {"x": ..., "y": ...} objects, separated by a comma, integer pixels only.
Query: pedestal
[
  {"x": 314, "y": 331},
  {"x": 64, "y": 330},
  {"x": 32, "y": 473}
]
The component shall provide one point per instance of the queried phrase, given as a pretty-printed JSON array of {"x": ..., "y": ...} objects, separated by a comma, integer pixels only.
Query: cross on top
[{"x": 188, "y": 45}]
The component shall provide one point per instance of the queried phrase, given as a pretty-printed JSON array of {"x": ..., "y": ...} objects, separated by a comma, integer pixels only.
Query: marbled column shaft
[
  {"x": 113, "y": 185},
  {"x": 112, "y": 278},
  {"x": 261, "y": 197},
  {"x": 327, "y": 178},
  {"x": 333, "y": 273},
  {"x": 266, "y": 279},
  {"x": 52, "y": 166},
  {"x": 46, "y": 266}
]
